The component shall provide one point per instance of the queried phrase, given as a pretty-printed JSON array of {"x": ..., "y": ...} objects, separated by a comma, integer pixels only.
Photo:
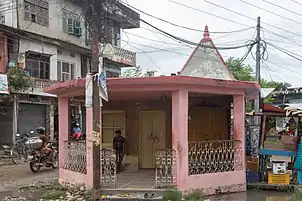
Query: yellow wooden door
[
  {"x": 208, "y": 124},
  {"x": 112, "y": 121},
  {"x": 152, "y": 136}
]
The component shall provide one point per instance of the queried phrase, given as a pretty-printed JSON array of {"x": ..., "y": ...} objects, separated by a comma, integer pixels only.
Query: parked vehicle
[
  {"x": 18, "y": 151},
  {"x": 36, "y": 157}
]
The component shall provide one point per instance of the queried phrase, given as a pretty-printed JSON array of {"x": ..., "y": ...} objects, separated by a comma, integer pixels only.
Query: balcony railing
[
  {"x": 119, "y": 55},
  {"x": 40, "y": 84}
]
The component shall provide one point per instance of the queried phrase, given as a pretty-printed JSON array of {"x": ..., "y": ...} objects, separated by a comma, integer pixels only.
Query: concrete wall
[
  {"x": 30, "y": 45},
  {"x": 8, "y": 10},
  {"x": 55, "y": 28},
  {"x": 3, "y": 54}
]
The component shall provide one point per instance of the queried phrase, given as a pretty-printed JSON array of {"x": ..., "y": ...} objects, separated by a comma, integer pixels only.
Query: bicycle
[{"x": 18, "y": 151}]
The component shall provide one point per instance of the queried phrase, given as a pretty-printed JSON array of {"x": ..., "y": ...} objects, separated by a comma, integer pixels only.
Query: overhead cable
[{"x": 189, "y": 28}]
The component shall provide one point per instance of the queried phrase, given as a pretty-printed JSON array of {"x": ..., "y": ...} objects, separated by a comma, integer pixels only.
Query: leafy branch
[{"x": 19, "y": 80}]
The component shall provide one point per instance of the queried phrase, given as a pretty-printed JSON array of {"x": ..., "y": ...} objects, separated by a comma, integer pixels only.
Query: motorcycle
[{"x": 38, "y": 159}]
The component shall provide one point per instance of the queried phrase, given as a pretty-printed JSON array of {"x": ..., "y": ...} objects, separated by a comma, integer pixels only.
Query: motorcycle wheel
[
  {"x": 33, "y": 167},
  {"x": 55, "y": 164}
]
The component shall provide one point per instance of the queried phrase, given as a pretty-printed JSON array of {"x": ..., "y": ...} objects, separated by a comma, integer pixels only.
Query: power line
[
  {"x": 208, "y": 13},
  {"x": 171, "y": 51},
  {"x": 283, "y": 17},
  {"x": 188, "y": 28},
  {"x": 284, "y": 37},
  {"x": 283, "y": 68},
  {"x": 296, "y": 2},
  {"x": 276, "y": 5},
  {"x": 158, "y": 67},
  {"x": 230, "y": 10},
  {"x": 190, "y": 42},
  {"x": 289, "y": 53}
]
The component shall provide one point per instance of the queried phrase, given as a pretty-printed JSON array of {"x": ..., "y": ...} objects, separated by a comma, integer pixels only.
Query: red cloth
[{"x": 77, "y": 135}]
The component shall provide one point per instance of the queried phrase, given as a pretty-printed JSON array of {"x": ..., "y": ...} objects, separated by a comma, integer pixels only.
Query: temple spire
[{"x": 206, "y": 34}]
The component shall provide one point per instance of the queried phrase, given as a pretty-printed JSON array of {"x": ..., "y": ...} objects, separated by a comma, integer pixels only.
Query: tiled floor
[
  {"x": 141, "y": 179},
  {"x": 144, "y": 179}
]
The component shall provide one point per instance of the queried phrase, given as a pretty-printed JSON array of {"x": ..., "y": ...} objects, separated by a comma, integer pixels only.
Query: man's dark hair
[{"x": 118, "y": 132}]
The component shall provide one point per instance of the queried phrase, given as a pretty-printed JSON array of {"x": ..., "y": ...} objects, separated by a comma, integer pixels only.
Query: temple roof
[{"x": 206, "y": 61}]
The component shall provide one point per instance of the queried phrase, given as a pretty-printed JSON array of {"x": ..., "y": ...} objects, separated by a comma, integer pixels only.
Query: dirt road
[{"x": 15, "y": 176}]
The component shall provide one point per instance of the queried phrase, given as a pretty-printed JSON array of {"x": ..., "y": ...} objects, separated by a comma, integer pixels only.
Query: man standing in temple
[{"x": 118, "y": 146}]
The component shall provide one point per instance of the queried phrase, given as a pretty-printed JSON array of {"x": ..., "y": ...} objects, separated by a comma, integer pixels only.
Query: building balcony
[
  {"x": 39, "y": 85},
  {"x": 122, "y": 56},
  {"x": 119, "y": 12}
]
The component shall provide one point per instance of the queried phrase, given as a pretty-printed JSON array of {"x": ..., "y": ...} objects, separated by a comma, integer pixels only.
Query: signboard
[{"x": 3, "y": 84}]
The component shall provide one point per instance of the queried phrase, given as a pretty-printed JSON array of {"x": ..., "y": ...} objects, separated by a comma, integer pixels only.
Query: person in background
[
  {"x": 76, "y": 128},
  {"x": 45, "y": 139},
  {"x": 76, "y": 132},
  {"x": 298, "y": 161},
  {"x": 118, "y": 146}
]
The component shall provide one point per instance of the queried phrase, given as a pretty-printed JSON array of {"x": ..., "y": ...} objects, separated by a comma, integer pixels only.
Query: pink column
[
  {"x": 180, "y": 136},
  {"x": 63, "y": 127},
  {"x": 239, "y": 121}
]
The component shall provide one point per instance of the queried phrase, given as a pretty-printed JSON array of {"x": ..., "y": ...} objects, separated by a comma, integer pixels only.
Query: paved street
[{"x": 14, "y": 176}]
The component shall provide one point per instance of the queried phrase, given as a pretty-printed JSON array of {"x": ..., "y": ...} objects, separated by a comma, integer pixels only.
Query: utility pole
[
  {"x": 258, "y": 60},
  {"x": 94, "y": 20}
]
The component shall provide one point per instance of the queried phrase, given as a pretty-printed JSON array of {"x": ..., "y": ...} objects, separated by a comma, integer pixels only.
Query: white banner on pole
[
  {"x": 103, "y": 85},
  {"x": 88, "y": 90}
]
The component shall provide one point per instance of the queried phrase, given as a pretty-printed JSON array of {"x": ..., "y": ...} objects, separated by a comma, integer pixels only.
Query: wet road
[
  {"x": 253, "y": 196},
  {"x": 14, "y": 176}
]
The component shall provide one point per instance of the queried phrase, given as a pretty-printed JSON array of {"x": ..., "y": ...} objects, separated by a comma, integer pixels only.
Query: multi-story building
[{"x": 53, "y": 42}]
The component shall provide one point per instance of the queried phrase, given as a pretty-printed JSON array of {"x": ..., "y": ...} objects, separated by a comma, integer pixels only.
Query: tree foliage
[
  {"x": 135, "y": 71},
  {"x": 19, "y": 80},
  {"x": 245, "y": 72}
]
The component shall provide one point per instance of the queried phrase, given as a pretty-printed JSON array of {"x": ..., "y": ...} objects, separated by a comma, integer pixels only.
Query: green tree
[
  {"x": 19, "y": 80},
  {"x": 239, "y": 70},
  {"x": 135, "y": 71},
  {"x": 245, "y": 72}
]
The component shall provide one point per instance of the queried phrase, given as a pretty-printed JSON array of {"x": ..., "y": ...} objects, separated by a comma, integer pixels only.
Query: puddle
[{"x": 253, "y": 196}]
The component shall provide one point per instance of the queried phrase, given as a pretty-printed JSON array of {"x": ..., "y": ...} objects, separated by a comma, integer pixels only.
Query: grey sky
[{"x": 279, "y": 66}]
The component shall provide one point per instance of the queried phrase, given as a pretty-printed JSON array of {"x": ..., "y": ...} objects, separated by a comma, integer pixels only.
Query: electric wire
[
  {"x": 296, "y": 2},
  {"x": 149, "y": 57},
  {"x": 230, "y": 10},
  {"x": 189, "y": 28},
  {"x": 273, "y": 13},
  {"x": 287, "y": 52},
  {"x": 190, "y": 42},
  {"x": 276, "y": 5}
]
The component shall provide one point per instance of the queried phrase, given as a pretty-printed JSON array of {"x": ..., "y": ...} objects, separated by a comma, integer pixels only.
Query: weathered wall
[{"x": 3, "y": 54}]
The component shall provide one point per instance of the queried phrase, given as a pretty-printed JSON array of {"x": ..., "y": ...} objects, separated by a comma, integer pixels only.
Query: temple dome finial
[{"x": 206, "y": 34}]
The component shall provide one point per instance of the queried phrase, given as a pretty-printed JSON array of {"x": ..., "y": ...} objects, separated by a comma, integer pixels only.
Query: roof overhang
[{"x": 133, "y": 86}]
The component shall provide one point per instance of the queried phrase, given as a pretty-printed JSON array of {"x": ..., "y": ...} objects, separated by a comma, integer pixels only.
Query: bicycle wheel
[{"x": 18, "y": 154}]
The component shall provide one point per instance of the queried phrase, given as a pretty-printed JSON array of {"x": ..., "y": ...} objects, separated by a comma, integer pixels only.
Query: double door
[{"x": 152, "y": 136}]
